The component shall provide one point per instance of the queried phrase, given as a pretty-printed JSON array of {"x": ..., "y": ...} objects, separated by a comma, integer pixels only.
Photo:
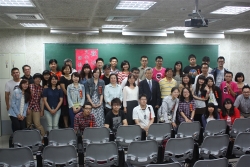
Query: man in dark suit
[{"x": 152, "y": 89}]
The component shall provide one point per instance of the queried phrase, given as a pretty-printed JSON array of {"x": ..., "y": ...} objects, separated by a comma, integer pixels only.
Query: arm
[
  {"x": 204, "y": 121},
  {"x": 124, "y": 122},
  {"x": 13, "y": 104},
  {"x": 124, "y": 83},
  {"x": 107, "y": 95},
  {"x": 196, "y": 97},
  {"x": 125, "y": 99},
  {"x": 69, "y": 99},
  {"x": 83, "y": 95},
  {"x": 46, "y": 104},
  {"x": 236, "y": 113},
  {"x": 158, "y": 94},
  {"x": 121, "y": 95},
  {"x": 138, "y": 123},
  {"x": 7, "y": 99},
  {"x": 63, "y": 88}
]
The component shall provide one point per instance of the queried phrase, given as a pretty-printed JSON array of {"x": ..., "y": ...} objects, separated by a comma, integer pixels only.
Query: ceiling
[{"x": 94, "y": 13}]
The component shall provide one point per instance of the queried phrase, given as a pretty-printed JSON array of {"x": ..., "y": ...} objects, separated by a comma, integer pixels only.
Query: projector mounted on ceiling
[{"x": 197, "y": 20}]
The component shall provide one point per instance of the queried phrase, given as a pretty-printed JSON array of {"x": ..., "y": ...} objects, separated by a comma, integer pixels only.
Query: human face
[
  {"x": 201, "y": 81},
  {"x": 210, "y": 83},
  {"x": 210, "y": 110},
  {"x": 25, "y": 86},
  {"x": 46, "y": 77},
  {"x": 192, "y": 61},
  {"x": 240, "y": 79},
  {"x": 185, "y": 79},
  {"x": 144, "y": 62},
  {"x": 228, "y": 106},
  {"x": 53, "y": 66},
  {"x": 113, "y": 63},
  {"x": 96, "y": 74},
  {"x": 131, "y": 80},
  {"x": 221, "y": 62},
  {"x": 107, "y": 71},
  {"x": 228, "y": 77},
  {"x": 136, "y": 74},
  {"x": 37, "y": 81},
  {"x": 178, "y": 67},
  {"x": 149, "y": 74},
  {"x": 53, "y": 81},
  {"x": 169, "y": 74},
  {"x": 86, "y": 70},
  {"x": 246, "y": 92},
  {"x": 99, "y": 64},
  {"x": 26, "y": 71},
  {"x": 159, "y": 62},
  {"x": 87, "y": 110},
  {"x": 69, "y": 63},
  {"x": 116, "y": 107},
  {"x": 66, "y": 70},
  {"x": 186, "y": 93},
  {"x": 15, "y": 74},
  {"x": 175, "y": 93},
  {"x": 204, "y": 69},
  {"x": 75, "y": 79},
  {"x": 143, "y": 101},
  {"x": 125, "y": 67},
  {"x": 113, "y": 79}
]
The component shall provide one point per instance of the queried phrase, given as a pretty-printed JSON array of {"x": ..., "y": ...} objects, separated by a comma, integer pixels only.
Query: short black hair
[
  {"x": 37, "y": 75},
  {"x": 174, "y": 88},
  {"x": 25, "y": 66},
  {"x": 239, "y": 74},
  {"x": 50, "y": 78},
  {"x": 228, "y": 72},
  {"x": 76, "y": 74},
  {"x": 97, "y": 69},
  {"x": 142, "y": 95},
  {"x": 67, "y": 60},
  {"x": 144, "y": 57},
  {"x": 206, "y": 59},
  {"x": 134, "y": 69},
  {"x": 106, "y": 66},
  {"x": 116, "y": 101},
  {"x": 14, "y": 69},
  {"x": 124, "y": 63},
  {"x": 191, "y": 56},
  {"x": 204, "y": 64},
  {"x": 65, "y": 67},
  {"x": 112, "y": 59},
  {"x": 86, "y": 104},
  {"x": 52, "y": 61},
  {"x": 158, "y": 57},
  {"x": 221, "y": 57},
  {"x": 99, "y": 59},
  {"x": 169, "y": 69},
  {"x": 245, "y": 87}
]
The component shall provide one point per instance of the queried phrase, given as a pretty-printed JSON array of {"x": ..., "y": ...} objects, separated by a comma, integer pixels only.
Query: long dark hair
[
  {"x": 82, "y": 73},
  {"x": 197, "y": 86},
  {"x": 45, "y": 82},
  {"x": 27, "y": 93},
  {"x": 215, "y": 114},
  {"x": 176, "y": 63},
  {"x": 213, "y": 86},
  {"x": 189, "y": 83},
  {"x": 50, "y": 78},
  {"x": 182, "y": 98},
  {"x": 130, "y": 76},
  {"x": 224, "y": 110}
]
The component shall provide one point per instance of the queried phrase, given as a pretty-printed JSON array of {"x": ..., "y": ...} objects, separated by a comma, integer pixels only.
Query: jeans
[
  {"x": 52, "y": 120},
  {"x": 17, "y": 124},
  {"x": 34, "y": 117},
  {"x": 72, "y": 116}
]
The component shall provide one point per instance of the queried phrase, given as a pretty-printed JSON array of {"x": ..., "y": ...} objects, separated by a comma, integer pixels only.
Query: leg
[
  {"x": 22, "y": 124},
  {"x": 36, "y": 119},
  {"x": 55, "y": 119},
  {"x": 29, "y": 118},
  {"x": 15, "y": 123},
  {"x": 49, "y": 120},
  {"x": 72, "y": 116},
  {"x": 65, "y": 120}
]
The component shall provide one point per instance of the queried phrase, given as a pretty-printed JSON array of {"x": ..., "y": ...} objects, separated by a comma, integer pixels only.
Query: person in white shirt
[
  {"x": 204, "y": 72},
  {"x": 135, "y": 71},
  {"x": 143, "y": 114},
  {"x": 206, "y": 59},
  {"x": 130, "y": 98},
  {"x": 69, "y": 62}
]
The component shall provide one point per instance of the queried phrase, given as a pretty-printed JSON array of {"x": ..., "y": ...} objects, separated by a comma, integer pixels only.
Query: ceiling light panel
[
  {"x": 135, "y": 5},
  {"x": 239, "y": 30},
  {"x": 17, "y": 3},
  {"x": 34, "y": 25},
  {"x": 179, "y": 28},
  {"x": 231, "y": 10},
  {"x": 114, "y": 26}
]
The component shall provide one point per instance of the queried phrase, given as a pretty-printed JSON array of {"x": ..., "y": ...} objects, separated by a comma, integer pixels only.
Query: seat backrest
[
  {"x": 101, "y": 154},
  {"x": 221, "y": 162},
  {"x": 27, "y": 138},
  {"x": 179, "y": 148},
  {"x": 95, "y": 135},
  {"x": 214, "y": 145},
  {"x": 187, "y": 129},
  {"x": 242, "y": 144},
  {"x": 141, "y": 153},
  {"x": 60, "y": 137},
  {"x": 126, "y": 134},
  {"x": 22, "y": 156},
  {"x": 159, "y": 131},
  {"x": 59, "y": 155},
  {"x": 240, "y": 125},
  {"x": 175, "y": 164},
  {"x": 215, "y": 127},
  {"x": 243, "y": 161}
]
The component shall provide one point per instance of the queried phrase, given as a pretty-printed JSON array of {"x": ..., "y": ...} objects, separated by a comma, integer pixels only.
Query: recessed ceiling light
[
  {"x": 231, "y": 10},
  {"x": 17, "y": 3},
  {"x": 114, "y": 26},
  {"x": 179, "y": 28},
  {"x": 135, "y": 5},
  {"x": 239, "y": 30},
  {"x": 33, "y": 25}
]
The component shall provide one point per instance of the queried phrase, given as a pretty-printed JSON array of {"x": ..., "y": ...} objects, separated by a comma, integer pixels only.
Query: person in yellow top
[{"x": 167, "y": 83}]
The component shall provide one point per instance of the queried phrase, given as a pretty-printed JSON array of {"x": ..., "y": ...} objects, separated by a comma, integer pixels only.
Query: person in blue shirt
[
  {"x": 53, "y": 99},
  {"x": 210, "y": 114},
  {"x": 19, "y": 105}
]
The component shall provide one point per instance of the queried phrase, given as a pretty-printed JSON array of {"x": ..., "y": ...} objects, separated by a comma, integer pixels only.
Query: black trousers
[{"x": 18, "y": 124}]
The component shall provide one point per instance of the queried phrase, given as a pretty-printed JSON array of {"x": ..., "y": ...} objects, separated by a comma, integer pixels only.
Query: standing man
[
  {"x": 135, "y": 71},
  {"x": 158, "y": 70},
  {"x": 242, "y": 102},
  {"x": 35, "y": 111},
  {"x": 167, "y": 83},
  {"x": 113, "y": 63},
  {"x": 219, "y": 72},
  {"x": 99, "y": 64},
  {"x": 192, "y": 69},
  {"x": 206, "y": 59},
  {"x": 10, "y": 86},
  {"x": 204, "y": 72},
  {"x": 144, "y": 65},
  {"x": 69, "y": 62},
  {"x": 151, "y": 89},
  {"x": 27, "y": 76}
]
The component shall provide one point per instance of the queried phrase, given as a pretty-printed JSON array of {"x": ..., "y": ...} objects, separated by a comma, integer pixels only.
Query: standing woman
[
  {"x": 214, "y": 94},
  {"x": 53, "y": 99},
  {"x": 210, "y": 114},
  {"x": 200, "y": 94},
  {"x": 130, "y": 98},
  {"x": 177, "y": 75},
  {"x": 239, "y": 79},
  {"x": 45, "y": 78},
  {"x": 85, "y": 73},
  {"x": 185, "y": 82},
  {"x": 54, "y": 68},
  {"x": 186, "y": 106},
  {"x": 75, "y": 96},
  {"x": 65, "y": 81},
  {"x": 94, "y": 93},
  {"x": 19, "y": 105},
  {"x": 125, "y": 71}
]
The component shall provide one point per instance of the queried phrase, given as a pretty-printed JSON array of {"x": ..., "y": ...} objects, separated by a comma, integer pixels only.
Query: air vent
[
  {"x": 121, "y": 18},
  {"x": 19, "y": 16}
]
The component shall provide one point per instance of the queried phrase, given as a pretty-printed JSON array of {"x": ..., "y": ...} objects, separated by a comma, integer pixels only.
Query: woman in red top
[
  {"x": 54, "y": 68},
  {"x": 229, "y": 112},
  {"x": 125, "y": 71}
]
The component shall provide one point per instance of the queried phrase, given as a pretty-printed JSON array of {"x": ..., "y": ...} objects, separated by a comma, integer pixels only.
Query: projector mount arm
[{"x": 197, "y": 11}]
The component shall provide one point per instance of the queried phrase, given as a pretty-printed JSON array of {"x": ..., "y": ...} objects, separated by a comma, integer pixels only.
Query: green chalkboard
[{"x": 133, "y": 52}]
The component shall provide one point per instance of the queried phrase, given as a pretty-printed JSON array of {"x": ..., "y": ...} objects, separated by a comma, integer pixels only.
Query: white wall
[{"x": 235, "y": 48}]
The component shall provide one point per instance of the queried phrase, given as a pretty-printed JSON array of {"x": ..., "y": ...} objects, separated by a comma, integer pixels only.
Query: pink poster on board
[{"x": 84, "y": 56}]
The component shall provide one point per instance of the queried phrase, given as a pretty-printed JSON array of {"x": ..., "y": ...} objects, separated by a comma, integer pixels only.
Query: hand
[
  {"x": 53, "y": 111},
  {"x": 125, "y": 110},
  {"x": 195, "y": 74},
  {"x": 41, "y": 113},
  {"x": 7, "y": 108},
  {"x": 23, "y": 118},
  {"x": 207, "y": 89},
  {"x": 157, "y": 106},
  {"x": 190, "y": 73},
  {"x": 45, "y": 86},
  {"x": 58, "y": 87},
  {"x": 174, "y": 125},
  {"x": 188, "y": 120},
  {"x": 19, "y": 117},
  {"x": 228, "y": 85}
]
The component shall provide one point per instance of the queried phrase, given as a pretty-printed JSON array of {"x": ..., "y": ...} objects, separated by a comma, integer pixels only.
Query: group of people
[{"x": 106, "y": 96}]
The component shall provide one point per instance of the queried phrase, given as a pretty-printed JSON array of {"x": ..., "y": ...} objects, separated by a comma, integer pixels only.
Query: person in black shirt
[
  {"x": 106, "y": 74},
  {"x": 27, "y": 76},
  {"x": 115, "y": 117},
  {"x": 192, "y": 69}
]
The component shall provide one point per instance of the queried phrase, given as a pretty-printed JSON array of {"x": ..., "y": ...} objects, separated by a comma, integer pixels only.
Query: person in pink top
[
  {"x": 228, "y": 88},
  {"x": 158, "y": 70}
]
